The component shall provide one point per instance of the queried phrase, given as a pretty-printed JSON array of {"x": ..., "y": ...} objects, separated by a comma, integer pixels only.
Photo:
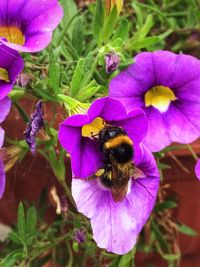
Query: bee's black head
[{"x": 110, "y": 132}]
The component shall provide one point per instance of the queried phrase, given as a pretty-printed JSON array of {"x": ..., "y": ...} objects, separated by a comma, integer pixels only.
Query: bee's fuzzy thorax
[{"x": 116, "y": 141}]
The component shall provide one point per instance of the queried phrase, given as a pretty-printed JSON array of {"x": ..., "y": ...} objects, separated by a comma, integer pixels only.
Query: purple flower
[
  {"x": 34, "y": 126},
  {"x": 167, "y": 87},
  {"x": 112, "y": 62},
  {"x": 11, "y": 64},
  {"x": 80, "y": 235},
  {"x": 115, "y": 225},
  {"x": 197, "y": 169},
  {"x": 28, "y": 25},
  {"x": 5, "y": 105}
]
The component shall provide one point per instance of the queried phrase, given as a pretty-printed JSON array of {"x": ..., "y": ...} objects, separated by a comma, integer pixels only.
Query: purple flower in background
[
  {"x": 167, "y": 87},
  {"x": 80, "y": 235},
  {"x": 28, "y": 25},
  {"x": 197, "y": 169},
  {"x": 11, "y": 64},
  {"x": 112, "y": 62},
  {"x": 5, "y": 105},
  {"x": 34, "y": 126},
  {"x": 115, "y": 225}
]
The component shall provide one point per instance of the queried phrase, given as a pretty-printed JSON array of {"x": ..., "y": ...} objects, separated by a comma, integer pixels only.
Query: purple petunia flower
[
  {"x": 5, "y": 105},
  {"x": 197, "y": 169},
  {"x": 34, "y": 126},
  {"x": 28, "y": 25},
  {"x": 167, "y": 87},
  {"x": 115, "y": 224},
  {"x": 11, "y": 64}
]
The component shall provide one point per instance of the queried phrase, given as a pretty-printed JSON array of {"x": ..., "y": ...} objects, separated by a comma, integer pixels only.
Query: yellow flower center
[
  {"x": 13, "y": 34},
  {"x": 93, "y": 128},
  {"x": 4, "y": 76},
  {"x": 159, "y": 97}
]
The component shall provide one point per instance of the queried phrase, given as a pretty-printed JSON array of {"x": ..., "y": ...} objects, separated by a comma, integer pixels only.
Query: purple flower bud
[
  {"x": 23, "y": 79},
  {"x": 33, "y": 127},
  {"x": 112, "y": 62},
  {"x": 80, "y": 235}
]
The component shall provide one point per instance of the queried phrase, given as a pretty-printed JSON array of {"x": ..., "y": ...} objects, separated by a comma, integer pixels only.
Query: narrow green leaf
[
  {"x": 77, "y": 78},
  {"x": 78, "y": 35},
  {"x": 186, "y": 230},
  {"x": 169, "y": 204},
  {"x": 144, "y": 43},
  {"x": 126, "y": 259},
  {"x": 31, "y": 220},
  {"x": 70, "y": 9},
  {"x": 86, "y": 93},
  {"x": 147, "y": 26},
  {"x": 54, "y": 72},
  {"x": 171, "y": 257},
  {"x": 21, "y": 223},
  {"x": 160, "y": 238},
  {"x": 122, "y": 31},
  {"x": 110, "y": 23},
  {"x": 15, "y": 238},
  {"x": 98, "y": 20}
]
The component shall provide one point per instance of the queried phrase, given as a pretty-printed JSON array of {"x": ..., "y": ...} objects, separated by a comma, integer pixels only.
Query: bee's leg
[{"x": 94, "y": 136}]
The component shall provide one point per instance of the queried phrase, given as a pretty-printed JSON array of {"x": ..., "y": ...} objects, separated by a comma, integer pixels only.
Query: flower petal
[
  {"x": 35, "y": 18},
  {"x": 2, "y": 178},
  {"x": 86, "y": 158},
  {"x": 197, "y": 169},
  {"x": 13, "y": 63},
  {"x": 1, "y": 136},
  {"x": 116, "y": 225},
  {"x": 135, "y": 125},
  {"x": 5, "y": 105},
  {"x": 157, "y": 136}
]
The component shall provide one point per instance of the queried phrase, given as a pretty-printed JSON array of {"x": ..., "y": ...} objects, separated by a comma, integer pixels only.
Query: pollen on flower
[
  {"x": 93, "y": 128},
  {"x": 12, "y": 34},
  {"x": 4, "y": 76},
  {"x": 159, "y": 97}
]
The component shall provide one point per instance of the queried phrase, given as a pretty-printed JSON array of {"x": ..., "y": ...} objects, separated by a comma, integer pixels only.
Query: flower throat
[{"x": 159, "y": 97}]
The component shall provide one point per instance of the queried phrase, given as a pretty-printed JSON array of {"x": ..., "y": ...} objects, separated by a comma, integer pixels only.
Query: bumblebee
[{"x": 117, "y": 149}]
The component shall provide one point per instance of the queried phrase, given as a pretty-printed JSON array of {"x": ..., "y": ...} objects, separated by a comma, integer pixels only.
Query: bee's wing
[
  {"x": 135, "y": 172},
  {"x": 120, "y": 178}
]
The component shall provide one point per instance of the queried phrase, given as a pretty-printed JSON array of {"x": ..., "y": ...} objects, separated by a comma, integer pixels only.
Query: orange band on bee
[{"x": 117, "y": 141}]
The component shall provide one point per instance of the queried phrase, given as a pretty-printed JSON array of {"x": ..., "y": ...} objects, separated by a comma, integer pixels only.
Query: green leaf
[
  {"x": 144, "y": 43},
  {"x": 10, "y": 259},
  {"x": 31, "y": 220},
  {"x": 78, "y": 35},
  {"x": 16, "y": 238},
  {"x": 139, "y": 14},
  {"x": 16, "y": 94},
  {"x": 186, "y": 230},
  {"x": 171, "y": 257},
  {"x": 77, "y": 78},
  {"x": 147, "y": 26},
  {"x": 70, "y": 9},
  {"x": 54, "y": 72},
  {"x": 169, "y": 204},
  {"x": 160, "y": 237},
  {"x": 122, "y": 31},
  {"x": 21, "y": 223},
  {"x": 98, "y": 20},
  {"x": 109, "y": 24},
  {"x": 126, "y": 259}
]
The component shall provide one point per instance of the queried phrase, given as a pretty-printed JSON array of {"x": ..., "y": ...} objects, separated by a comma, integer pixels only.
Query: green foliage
[{"x": 70, "y": 74}]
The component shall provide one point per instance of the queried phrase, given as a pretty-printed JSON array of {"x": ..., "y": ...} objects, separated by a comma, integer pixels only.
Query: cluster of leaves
[{"x": 71, "y": 73}]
